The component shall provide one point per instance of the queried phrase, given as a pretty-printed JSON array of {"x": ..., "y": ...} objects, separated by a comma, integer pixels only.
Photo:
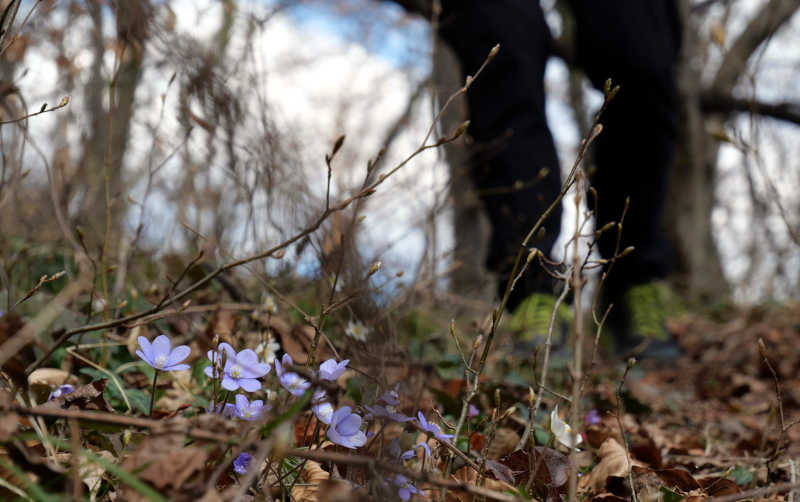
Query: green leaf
[
  {"x": 354, "y": 391},
  {"x": 742, "y": 476},
  {"x": 139, "y": 399},
  {"x": 670, "y": 496},
  {"x": 542, "y": 436}
]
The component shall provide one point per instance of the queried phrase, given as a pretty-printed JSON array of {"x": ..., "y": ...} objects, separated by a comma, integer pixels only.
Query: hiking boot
[
  {"x": 531, "y": 322},
  {"x": 639, "y": 323}
]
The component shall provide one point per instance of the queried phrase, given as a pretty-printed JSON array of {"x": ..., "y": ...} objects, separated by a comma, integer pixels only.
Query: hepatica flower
[
  {"x": 249, "y": 410},
  {"x": 389, "y": 412},
  {"x": 345, "y": 429},
  {"x": 322, "y": 409},
  {"x": 241, "y": 370},
  {"x": 405, "y": 488},
  {"x": 291, "y": 381},
  {"x": 294, "y": 383},
  {"x": 432, "y": 428},
  {"x": 60, "y": 391},
  {"x": 160, "y": 354},
  {"x": 562, "y": 430},
  {"x": 356, "y": 330},
  {"x": 227, "y": 410},
  {"x": 241, "y": 463},
  {"x": 331, "y": 370},
  {"x": 409, "y": 454}
]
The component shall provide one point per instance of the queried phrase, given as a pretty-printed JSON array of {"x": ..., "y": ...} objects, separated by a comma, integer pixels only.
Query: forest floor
[{"x": 716, "y": 423}]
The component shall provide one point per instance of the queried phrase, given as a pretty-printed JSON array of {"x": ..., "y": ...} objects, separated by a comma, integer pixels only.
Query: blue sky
[{"x": 384, "y": 29}]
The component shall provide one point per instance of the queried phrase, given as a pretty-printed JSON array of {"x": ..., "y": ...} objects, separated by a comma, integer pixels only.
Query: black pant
[{"x": 514, "y": 162}]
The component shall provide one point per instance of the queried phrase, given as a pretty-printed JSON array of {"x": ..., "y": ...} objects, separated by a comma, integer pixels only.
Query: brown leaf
[
  {"x": 312, "y": 475},
  {"x": 165, "y": 461},
  {"x": 717, "y": 487},
  {"x": 678, "y": 478},
  {"x": 505, "y": 441},
  {"x": 85, "y": 397},
  {"x": 613, "y": 462}
]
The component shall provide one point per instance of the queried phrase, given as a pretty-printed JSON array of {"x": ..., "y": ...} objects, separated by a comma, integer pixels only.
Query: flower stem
[{"x": 153, "y": 394}]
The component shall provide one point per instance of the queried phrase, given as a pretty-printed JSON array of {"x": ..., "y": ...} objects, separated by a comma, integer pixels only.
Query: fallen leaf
[
  {"x": 164, "y": 460},
  {"x": 312, "y": 475},
  {"x": 613, "y": 462}
]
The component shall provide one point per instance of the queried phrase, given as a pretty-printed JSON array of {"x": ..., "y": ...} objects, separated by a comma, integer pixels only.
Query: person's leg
[
  {"x": 515, "y": 166},
  {"x": 635, "y": 44}
]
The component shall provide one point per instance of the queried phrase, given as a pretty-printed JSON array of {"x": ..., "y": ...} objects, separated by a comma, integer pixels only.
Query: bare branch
[
  {"x": 764, "y": 24},
  {"x": 712, "y": 102}
]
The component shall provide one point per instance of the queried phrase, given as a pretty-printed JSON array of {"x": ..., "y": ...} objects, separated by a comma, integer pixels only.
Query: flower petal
[
  {"x": 229, "y": 383},
  {"x": 161, "y": 346},
  {"x": 241, "y": 402},
  {"x": 349, "y": 425},
  {"x": 144, "y": 358},
  {"x": 178, "y": 354},
  {"x": 177, "y": 367},
  {"x": 147, "y": 349},
  {"x": 248, "y": 384}
]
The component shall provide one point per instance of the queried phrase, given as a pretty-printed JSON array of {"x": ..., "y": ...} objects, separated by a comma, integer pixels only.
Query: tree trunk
[{"x": 470, "y": 224}]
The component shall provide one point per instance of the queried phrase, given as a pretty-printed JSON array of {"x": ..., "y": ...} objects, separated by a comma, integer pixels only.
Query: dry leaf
[
  {"x": 165, "y": 461},
  {"x": 312, "y": 475},
  {"x": 505, "y": 441},
  {"x": 613, "y": 462}
]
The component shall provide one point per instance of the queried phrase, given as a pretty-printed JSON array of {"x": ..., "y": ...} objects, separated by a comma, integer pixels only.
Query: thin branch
[{"x": 64, "y": 102}]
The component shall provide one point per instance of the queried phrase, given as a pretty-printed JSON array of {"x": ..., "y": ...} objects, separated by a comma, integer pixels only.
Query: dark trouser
[{"x": 514, "y": 162}]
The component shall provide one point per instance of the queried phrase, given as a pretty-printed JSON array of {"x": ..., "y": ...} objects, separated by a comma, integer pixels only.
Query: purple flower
[
  {"x": 388, "y": 412},
  {"x": 286, "y": 360},
  {"x": 405, "y": 488},
  {"x": 241, "y": 463},
  {"x": 241, "y": 369},
  {"x": 432, "y": 428},
  {"x": 391, "y": 397},
  {"x": 331, "y": 370},
  {"x": 294, "y": 383},
  {"x": 472, "y": 411},
  {"x": 322, "y": 409},
  {"x": 345, "y": 429},
  {"x": 593, "y": 417},
  {"x": 409, "y": 454},
  {"x": 249, "y": 410},
  {"x": 60, "y": 391},
  {"x": 227, "y": 410},
  {"x": 160, "y": 354}
]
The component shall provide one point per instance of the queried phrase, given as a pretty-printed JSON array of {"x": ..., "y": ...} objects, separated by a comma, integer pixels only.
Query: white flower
[
  {"x": 562, "y": 431},
  {"x": 266, "y": 350},
  {"x": 356, "y": 330},
  {"x": 270, "y": 306}
]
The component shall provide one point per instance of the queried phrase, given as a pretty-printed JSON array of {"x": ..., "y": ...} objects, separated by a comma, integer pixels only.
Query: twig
[
  {"x": 64, "y": 102},
  {"x": 42, "y": 281},
  {"x": 620, "y": 412}
]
